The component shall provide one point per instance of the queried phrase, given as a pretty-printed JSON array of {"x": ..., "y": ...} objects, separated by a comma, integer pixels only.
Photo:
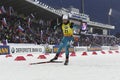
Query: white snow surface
[{"x": 90, "y": 67}]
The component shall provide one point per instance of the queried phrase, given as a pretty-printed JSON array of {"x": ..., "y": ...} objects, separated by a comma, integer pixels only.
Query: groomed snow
[{"x": 90, "y": 67}]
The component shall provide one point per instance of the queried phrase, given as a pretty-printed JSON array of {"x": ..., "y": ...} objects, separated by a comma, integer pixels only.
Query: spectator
[{"x": 18, "y": 30}]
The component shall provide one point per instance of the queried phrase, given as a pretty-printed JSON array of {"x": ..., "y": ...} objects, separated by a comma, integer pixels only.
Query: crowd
[
  {"x": 23, "y": 30},
  {"x": 99, "y": 40},
  {"x": 15, "y": 29}
]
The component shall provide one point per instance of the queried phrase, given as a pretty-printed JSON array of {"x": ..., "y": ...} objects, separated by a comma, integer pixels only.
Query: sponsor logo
[
  {"x": 4, "y": 50},
  {"x": 114, "y": 48},
  {"x": 48, "y": 50},
  {"x": 24, "y": 50},
  {"x": 105, "y": 48},
  {"x": 55, "y": 49},
  {"x": 94, "y": 48},
  {"x": 80, "y": 49},
  {"x": 13, "y": 50}
]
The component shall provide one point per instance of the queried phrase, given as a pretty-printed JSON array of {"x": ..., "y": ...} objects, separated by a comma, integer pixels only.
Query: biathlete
[{"x": 67, "y": 30}]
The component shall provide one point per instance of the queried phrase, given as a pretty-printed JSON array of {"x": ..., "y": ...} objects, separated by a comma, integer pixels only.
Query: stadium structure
[
  {"x": 92, "y": 33},
  {"x": 42, "y": 10}
]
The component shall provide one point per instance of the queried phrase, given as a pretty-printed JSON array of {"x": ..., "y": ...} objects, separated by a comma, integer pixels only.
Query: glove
[
  {"x": 71, "y": 43},
  {"x": 55, "y": 27}
]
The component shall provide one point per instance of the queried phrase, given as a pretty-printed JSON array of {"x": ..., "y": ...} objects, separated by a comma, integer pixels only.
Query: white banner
[
  {"x": 26, "y": 49},
  {"x": 114, "y": 47},
  {"x": 80, "y": 49},
  {"x": 105, "y": 47}
]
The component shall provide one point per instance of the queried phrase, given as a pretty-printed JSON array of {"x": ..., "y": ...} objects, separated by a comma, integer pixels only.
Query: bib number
[{"x": 66, "y": 30}]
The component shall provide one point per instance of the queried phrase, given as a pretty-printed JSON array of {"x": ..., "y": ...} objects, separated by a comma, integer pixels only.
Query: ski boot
[
  {"x": 55, "y": 58},
  {"x": 66, "y": 61}
]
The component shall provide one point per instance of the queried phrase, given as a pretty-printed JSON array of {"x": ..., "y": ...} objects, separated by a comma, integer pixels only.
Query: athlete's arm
[
  {"x": 71, "y": 26},
  {"x": 58, "y": 25}
]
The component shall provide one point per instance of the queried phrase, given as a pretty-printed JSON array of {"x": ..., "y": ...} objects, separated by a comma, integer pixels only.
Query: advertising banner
[
  {"x": 55, "y": 48},
  {"x": 105, "y": 47},
  {"x": 94, "y": 48},
  {"x": 114, "y": 47},
  {"x": 27, "y": 49},
  {"x": 80, "y": 49},
  {"x": 4, "y": 50},
  {"x": 48, "y": 50}
]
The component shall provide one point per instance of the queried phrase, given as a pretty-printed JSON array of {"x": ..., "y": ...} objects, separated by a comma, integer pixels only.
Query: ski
[{"x": 44, "y": 62}]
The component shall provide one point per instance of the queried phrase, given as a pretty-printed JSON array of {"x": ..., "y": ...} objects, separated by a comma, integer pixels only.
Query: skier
[{"x": 67, "y": 29}]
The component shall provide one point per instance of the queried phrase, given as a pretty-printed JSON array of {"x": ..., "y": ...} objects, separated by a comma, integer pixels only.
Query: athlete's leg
[
  {"x": 62, "y": 44},
  {"x": 67, "y": 50}
]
